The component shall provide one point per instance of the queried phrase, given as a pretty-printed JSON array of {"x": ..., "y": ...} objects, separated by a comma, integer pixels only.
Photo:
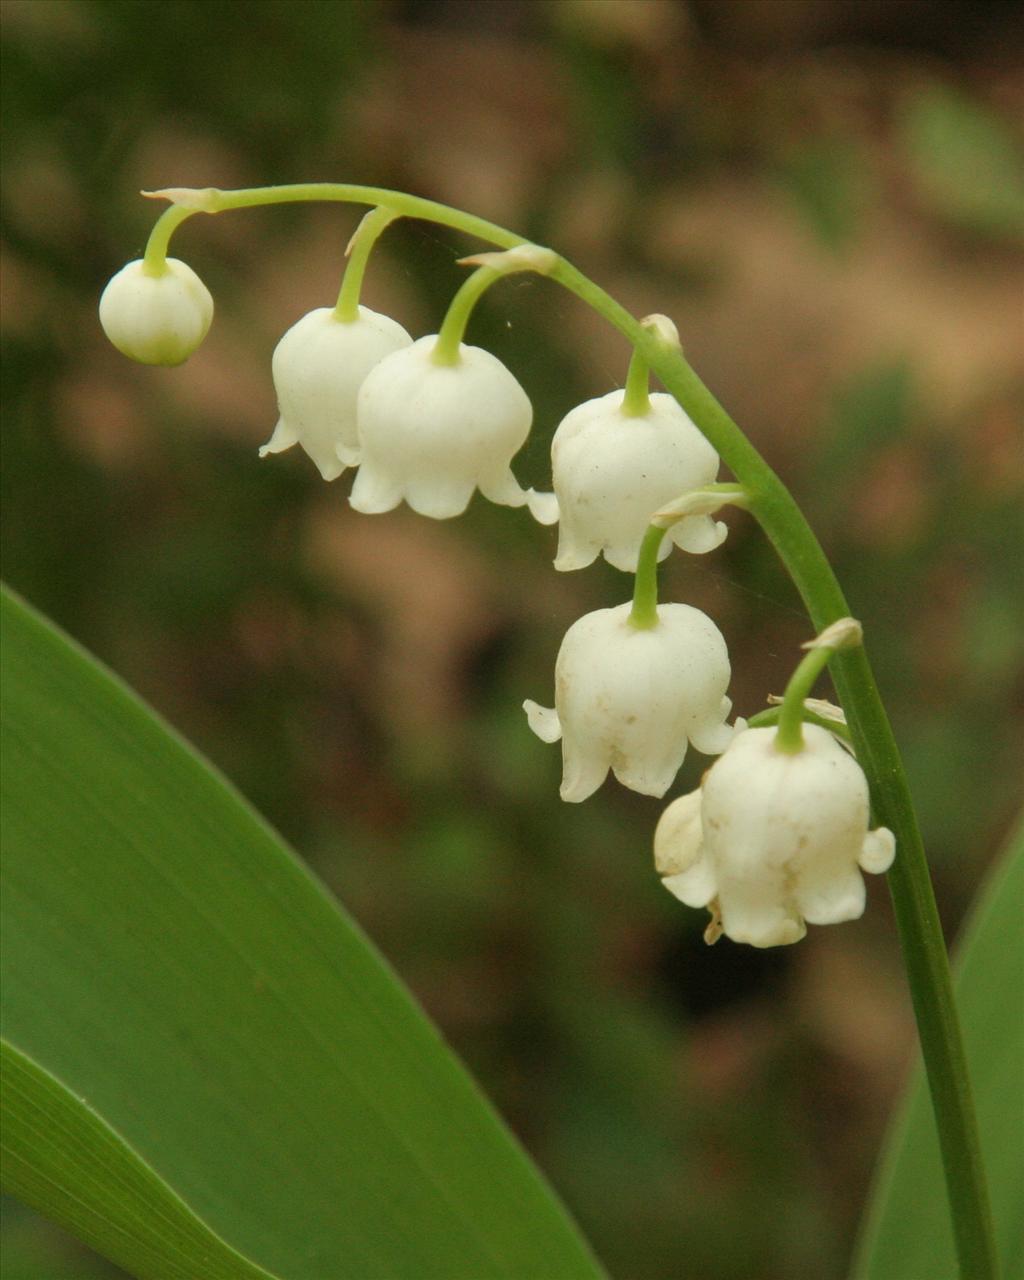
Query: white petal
[
  {"x": 751, "y": 916},
  {"x": 543, "y": 506},
  {"x": 878, "y": 850},
  {"x": 677, "y": 837},
  {"x": 372, "y": 492},
  {"x": 441, "y": 498},
  {"x": 503, "y": 488},
  {"x": 712, "y": 737},
  {"x": 326, "y": 460},
  {"x": 679, "y": 854},
  {"x": 283, "y": 438},
  {"x": 543, "y": 721},
  {"x": 696, "y": 886},
  {"x": 698, "y": 534},
  {"x": 583, "y": 771},
  {"x": 625, "y": 556},
  {"x": 573, "y": 553},
  {"x": 649, "y": 772},
  {"x": 830, "y": 899}
]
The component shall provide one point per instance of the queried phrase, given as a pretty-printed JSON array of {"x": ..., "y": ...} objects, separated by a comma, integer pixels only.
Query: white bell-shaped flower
[
  {"x": 432, "y": 433},
  {"x": 631, "y": 699},
  {"x": 319, "y": 366},
  {"x": 156, "y": 319},
  {"x": 773, "y": 839},
  {"x": 611, "y": 471}
]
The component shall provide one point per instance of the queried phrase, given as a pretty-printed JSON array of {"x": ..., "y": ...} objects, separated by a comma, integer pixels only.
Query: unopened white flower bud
[
  {"x": 631, "y": 699},
  {"x": 432, "y": 433},
  {"x": 319, "y": 366},
  {"x": 774, "y": 840},
  {"x": 612, "y": 471},
  {"x": 156, "y": 319}
]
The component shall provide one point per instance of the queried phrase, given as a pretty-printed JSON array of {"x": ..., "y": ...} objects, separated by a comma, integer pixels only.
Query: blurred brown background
[{"x": 828, "y": 198}]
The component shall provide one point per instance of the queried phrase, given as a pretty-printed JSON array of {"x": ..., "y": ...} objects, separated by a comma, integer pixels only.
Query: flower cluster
[{"x": 779, "y": 832}]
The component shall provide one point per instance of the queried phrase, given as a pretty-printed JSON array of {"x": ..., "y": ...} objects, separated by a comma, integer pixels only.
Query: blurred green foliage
[
  {"x": 965, "y": 162},
  {"x": 836, "y": 231}
]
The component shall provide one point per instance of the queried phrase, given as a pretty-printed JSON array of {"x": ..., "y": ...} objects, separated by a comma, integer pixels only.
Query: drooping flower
[
  {"x": 432, "y": 433},
  {"x": 630, "y": 699},
  {"x": 773, "y": 840},
  {"x": 612, "y": 470},
  {"x": 319, "y": 366},
  {"x": 156, "y": 319}
]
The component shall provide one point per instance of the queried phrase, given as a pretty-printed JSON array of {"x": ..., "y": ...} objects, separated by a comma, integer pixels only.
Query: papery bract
[
  {"x": 611, "y": 471},
  {"x": 774, "y": 839},
  {"x": 432, "y": 433},
  {"x": 319, "y": 366},
  {"x": 630, "y": 699},
  {"x": 156, "y": 318}
]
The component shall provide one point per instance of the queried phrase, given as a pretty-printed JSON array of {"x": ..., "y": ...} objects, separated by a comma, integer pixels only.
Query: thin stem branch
[
  {"x": 154, "y": 261},
  {"x": 770, "y": 716},
  {"x": 636, "y": 399},
  {"x": 644, "y": 613},
  {"x": 360, "y": 247},
  {"x": 453, "y": 327},
  {"x": 790, "y": 737}
]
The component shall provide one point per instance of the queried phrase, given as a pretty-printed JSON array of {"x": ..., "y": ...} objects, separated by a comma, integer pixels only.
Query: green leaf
[
  {"x": 59, "y": 1155},
  {"x": 907, "y": 1230},
  {"x": 168, "y": 960}
]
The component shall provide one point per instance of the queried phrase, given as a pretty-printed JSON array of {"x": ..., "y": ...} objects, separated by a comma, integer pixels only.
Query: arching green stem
[
  {"x": 453, "y": 327},
  {"x": 644, "y": 613},
  {"x": 790, "y": 737},
  {"x": 636, "y": 400},
  {"x": 770, "y": 502},
  {"x": 154, "y": 261},
  {"x": 361, "y": 245}
]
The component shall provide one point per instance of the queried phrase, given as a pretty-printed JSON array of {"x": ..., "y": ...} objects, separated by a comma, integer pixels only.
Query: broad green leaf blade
[
  {"x": 60, "y": 1158},
  {"x": 907, "y": 1232},
  {"x": 168, "y": 960}
]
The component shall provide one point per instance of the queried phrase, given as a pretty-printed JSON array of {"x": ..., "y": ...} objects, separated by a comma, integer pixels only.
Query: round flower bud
[
  {"x": 773, "y": 841},
  {"x": 432, "y": 433},
  {"x": 156, "y": 319},
  {"x": 319, "y": 366},
  {"x": 612, "y": 471},
  {"x": 630, "y": 699}
]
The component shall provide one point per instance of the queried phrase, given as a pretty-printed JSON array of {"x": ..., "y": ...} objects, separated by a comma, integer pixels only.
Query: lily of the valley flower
[
  {"x": 612, "y": 470},
  {"x": 432, "y": 433},
  {"x": 158, "y": 318},
  {"x": 319, "y": 366},
  {"x": 630, "y": 699},
  {"x": 773, "y": 840}
]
